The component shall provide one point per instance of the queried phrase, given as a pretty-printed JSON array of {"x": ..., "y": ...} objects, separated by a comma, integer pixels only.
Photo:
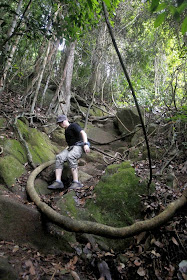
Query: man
[{"x": 77, "y": 141}]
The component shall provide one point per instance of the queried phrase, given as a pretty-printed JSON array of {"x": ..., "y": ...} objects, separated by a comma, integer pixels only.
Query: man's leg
[
  {"x": 74, "y": 172},
  {"x": 73, "y": 157},
  {"x": 60, "y": 159},
  {"x": 58, "y": 174}
]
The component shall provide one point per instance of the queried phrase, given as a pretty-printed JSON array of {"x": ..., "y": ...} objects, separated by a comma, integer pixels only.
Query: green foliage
[
  {"x": 165, "y": 8},
  {"x": 181, "y": 114}
]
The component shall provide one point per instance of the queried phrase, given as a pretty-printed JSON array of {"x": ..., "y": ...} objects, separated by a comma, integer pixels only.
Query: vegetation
[{"x": 58, "y": 57}]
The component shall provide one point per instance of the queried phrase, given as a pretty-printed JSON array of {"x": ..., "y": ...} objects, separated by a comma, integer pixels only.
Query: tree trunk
[
  {"x": 8, "y": 65},
  {"x": 35, "y": 74},
  {"x": 40, "y": 77},
  {"x": 61, "y": 99},
  {"x": 50, "y": 62},
  {"x": 95, "y": 79},
  {"x": 6, "y": 53}
]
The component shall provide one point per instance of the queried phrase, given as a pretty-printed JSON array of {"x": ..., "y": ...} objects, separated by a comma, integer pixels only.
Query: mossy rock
[
  {"x": 58, "y": 137},
  {"x": 156, "y": 153},
  {"x": 38, "y": 142},
  {"x": 6, "y": 270},
  {"x": 137, "y": 138},
  {"x": 2, "y": 188},
  {"x": 99, "y": 135},
  {"x": 10, "y": 169},
  {"x": 41, "y": 187},
  {"x": 128, "y": 120},
  {"x": 67, "y": 206},
  {"x": 83, "y": 176},
  {"x": 116, "y": 202},
  {"x": 85, "y": 110},
  {"x": 98, "y": 112},
  {"x": 117, "y": 196},
  {"x": 122, "y": 150},
  {"x": 2, "y": 122},
  {"x": 24, "y": 224},
  {"x": 135, "y": 154},
  {"x": 14, "y": 148},
  {"x": 93, "y": 157}
]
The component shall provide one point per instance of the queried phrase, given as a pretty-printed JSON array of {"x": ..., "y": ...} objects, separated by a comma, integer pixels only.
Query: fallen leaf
[
  {"x": 75, "y": 275},
  {"x": 15, "y": 249},
  {"x": 137, "y": 262},
  {"x": 29, "y": 264},
  {"x": 155, "y": 254},
  {"x": 141, "y": 271},
  {"x": 140, "y": 237},
  {"x": 109, "y": 254},
  {"x": 175, "y": 241}
]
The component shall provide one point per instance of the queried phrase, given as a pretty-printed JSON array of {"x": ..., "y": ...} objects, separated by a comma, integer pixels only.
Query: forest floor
[{"x": 159, "y": 254}]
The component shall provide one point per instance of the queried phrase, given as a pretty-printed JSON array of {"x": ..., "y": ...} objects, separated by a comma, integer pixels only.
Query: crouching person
[{"x": 77, "y": 141}]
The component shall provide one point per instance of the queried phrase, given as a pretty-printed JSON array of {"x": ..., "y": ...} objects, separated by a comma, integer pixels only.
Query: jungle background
[{"x": 58, "y": 57}]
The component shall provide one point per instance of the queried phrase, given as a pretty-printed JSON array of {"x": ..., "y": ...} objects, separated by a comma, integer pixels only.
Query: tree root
[{"x": 73, "y": 225}]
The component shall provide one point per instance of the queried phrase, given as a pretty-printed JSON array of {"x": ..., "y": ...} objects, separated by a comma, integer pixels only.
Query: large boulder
[
  {"x": 14, "y": 155},
  {"x": 126, "y": 120},
  {"x": 115, "y": 202},
  {"x": 23, "y": 224},
  {"x": 10, "y": 170},
  {"x": 38, "y": 142},
  {"x": 98, "y": 135},
  {"x": 7, "y": 272}
]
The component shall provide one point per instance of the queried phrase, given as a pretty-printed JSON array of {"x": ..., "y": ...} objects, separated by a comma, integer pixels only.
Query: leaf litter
[{"x": 157, "y": 254}]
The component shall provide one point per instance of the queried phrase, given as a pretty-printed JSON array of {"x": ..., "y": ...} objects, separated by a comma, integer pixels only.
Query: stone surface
[
  {"x": 126, "y": 120},
  {"x": 115, "y": 202},
  {"x": 6, "y": 270},
  {"x": 10, "y": 170},
  {"x": 99, "y": 135},
  {"x": 23, "y": 224}
]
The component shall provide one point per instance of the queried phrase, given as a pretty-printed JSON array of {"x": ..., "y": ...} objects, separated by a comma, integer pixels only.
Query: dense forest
[{"x": 79, "y": 58}]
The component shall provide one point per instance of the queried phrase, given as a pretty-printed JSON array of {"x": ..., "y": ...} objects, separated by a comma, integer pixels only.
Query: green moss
[
  {"x": 2, "y": 188},
  {"x": 58, "y": 136},
  {"x": 155, "y": 153},
  {"x": 134, "y": 154},
  {"x": 2, "y": 122},
  {"x": 67, "y": 206},
  {"x": 14, "y": 148},
  {"x": 41, "y": 187},
  {"x": 97, "y": 112},
  {"x": 112, "y": 169},
  {"x": 10, "y": 169},
  {"x": 39, "y": 144},
  {"x": 117, "y": 196},
  {"x": 24, "y": 129},
  {"x": 93, "y": 157}
]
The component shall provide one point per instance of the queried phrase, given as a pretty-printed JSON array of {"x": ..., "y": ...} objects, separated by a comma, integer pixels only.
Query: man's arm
[{"x": 85, "y": 140}]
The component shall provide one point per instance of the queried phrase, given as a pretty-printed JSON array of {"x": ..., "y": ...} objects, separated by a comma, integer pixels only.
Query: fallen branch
[
  {"x": 24, "y": 143},
  {"x": 95, "y": 228},
  {"x": 115, "y": 157},
  {"x": 168, "y": 162}
]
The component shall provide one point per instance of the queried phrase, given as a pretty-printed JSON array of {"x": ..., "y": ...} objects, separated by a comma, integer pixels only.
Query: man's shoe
[
  {"x": 56, "y": 185},
  {"x": 75, "y": 186}
]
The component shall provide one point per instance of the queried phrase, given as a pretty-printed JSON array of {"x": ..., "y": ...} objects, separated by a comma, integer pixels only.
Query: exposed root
[{"x": 100, "y": 229}]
